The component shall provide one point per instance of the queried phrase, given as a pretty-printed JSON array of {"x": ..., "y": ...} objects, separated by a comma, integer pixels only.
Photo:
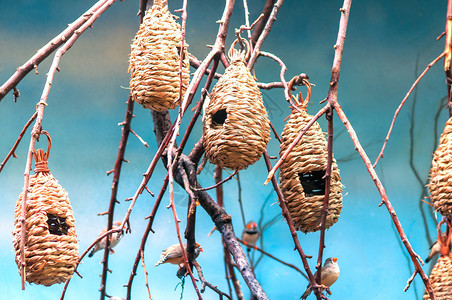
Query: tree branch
[{"x": 46, "y": 50}]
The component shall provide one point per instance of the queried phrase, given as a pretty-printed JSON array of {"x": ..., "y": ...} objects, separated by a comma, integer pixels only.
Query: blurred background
[{"x": 388, "y": 45}]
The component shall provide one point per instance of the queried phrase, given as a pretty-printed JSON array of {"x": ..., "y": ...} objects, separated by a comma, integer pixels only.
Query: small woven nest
[
  {"x": 236, "y": 128},
  {"x": 441, "y": 173},
  {"x": 154, "y": 61},
  {"x": 441, "y": 279},
  {"x": 301, "y": 174},
  {"x": 51, "y": 243}
]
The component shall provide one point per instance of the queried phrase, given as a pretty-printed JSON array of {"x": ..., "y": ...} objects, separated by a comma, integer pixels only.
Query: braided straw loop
[
  {"x": 236, "y": 128},
  {"x": 51, "y": 248},
  {"x": 441, "y": 173},
  {"x": 302, "y": 174},
  {"x": 441, "y": 278},
  {"x": 154, "y": 61}
]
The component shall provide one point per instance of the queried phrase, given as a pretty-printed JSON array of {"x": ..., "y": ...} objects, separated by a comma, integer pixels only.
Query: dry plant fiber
[
  {"x": 154, "y": 61},
  {"x": 441, "y": 279},
  {"x": 441, "y": 173},
  {"x": 236, "y": 128},
  {"x": 51, "y": 248},
  {"x": 301, "y": 175}
]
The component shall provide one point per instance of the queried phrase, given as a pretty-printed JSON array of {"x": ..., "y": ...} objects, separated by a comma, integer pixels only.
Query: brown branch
[
  {"x": 265, "y": 32},
  {"x": 281, "y": 74},
  {"x": 275, "y": 258},
  {"x": 145, "y": 274},
  {"x": 286, "y": 214},
  {"x": 275, "y": 133},
  {"x": 402, "y": 103},
  {"x": 16, "y": 144},
  {"x": 267, "y": 9},
  {"x": 218, "y": 176},
  {"x": 45, "y": 51},
  {"x": 384, "y": 197},
  {"x": 329, "y": 117},
  {"x": 448, "y": 56},
  {"x": 151, "y": 218},
  {"x": 37, "y": 127},
  {"x": 205, "y": 283}
]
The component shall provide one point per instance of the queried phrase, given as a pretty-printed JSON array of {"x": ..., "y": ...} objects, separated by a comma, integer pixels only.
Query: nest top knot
[{"x": 41, "y": 157}]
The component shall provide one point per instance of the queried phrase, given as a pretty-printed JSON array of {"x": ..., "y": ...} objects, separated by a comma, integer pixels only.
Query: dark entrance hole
[
  {"x": 219, "y": 118},
  {"x": 57, "y": 225},
  {"x": 313, "y": 183}
]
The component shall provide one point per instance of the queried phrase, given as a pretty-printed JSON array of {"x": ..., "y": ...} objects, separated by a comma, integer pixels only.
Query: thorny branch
[
  {"x": 403, "y": 102},
  {"x": 16, "y": 144},
  {"x": 46, "y": 50},
  {"x": 36, "y": 131}
]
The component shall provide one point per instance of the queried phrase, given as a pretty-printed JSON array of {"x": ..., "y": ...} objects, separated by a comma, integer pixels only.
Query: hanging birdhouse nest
[
  {"x": 236, "y": 128},
  {"x": 51, "y": 248},
  {"x": 155, "y": 61},
  {"x": 302, "y": 173},
  {"x": 441, "y": 278},
  {"x": 441, "y": 173}
]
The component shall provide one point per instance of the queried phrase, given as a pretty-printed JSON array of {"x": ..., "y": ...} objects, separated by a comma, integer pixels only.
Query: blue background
[{"x": 388, "y": 43}]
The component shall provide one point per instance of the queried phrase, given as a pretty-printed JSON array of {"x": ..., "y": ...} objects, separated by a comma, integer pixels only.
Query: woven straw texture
[
  {"x": 309, "y": 155},
  {"x": 50, "y": 258},
  {"x": 243, "y": 136},
  {"x": 441, "y": 173},
  {"x": 441, "y": 279},
  {"x": 154, "y": 61}
]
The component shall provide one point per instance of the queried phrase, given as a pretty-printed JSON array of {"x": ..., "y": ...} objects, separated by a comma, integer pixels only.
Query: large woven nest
[
  {"x": 51, "y": 248},
  {"x": 236, "y": 128},
  {"x": 441, "y": 173},
  {"x": 154, "y": 61},
  {"x": 441, "y": 279},
  {"x": 301, "y": 175}
]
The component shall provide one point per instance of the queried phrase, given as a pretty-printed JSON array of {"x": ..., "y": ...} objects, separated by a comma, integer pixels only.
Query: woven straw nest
[
  {"x": 441, "y": 279},
  {"x": 301, "y": 174},
  {"x": 441, "y": 173},
  {"x": 51, "y": 248},
  {"x": 154, "y": 61},
  {"x": 236, "y": 128}
]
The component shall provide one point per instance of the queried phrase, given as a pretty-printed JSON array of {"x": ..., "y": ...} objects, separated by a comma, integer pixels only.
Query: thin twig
[
  {"x": 145, "y": 274},
  {"x": 402, "y": 103},
  {"x": 139, "y": 138},
  {"x": 16, "y": 144},
  {"x": 218, "y": 183},
  {"x": 205, "y": 283},
  {"x": 275, "y": 258}
]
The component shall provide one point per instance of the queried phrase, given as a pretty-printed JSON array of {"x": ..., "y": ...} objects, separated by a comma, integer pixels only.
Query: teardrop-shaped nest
[
  {"x": 236, "y": 128},
  {"x": 441, "y": 173},
  {"x": 154, "y": 61},
  {"x": 441, "y": 279},
  {"x": 301, "y": 175},
  {"x": 51, "y": 248}
]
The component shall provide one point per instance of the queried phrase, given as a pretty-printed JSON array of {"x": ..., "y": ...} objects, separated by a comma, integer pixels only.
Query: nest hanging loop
[
  {"x": 51, "y": 247},
  {"x": 302, "y": 172},
  {"x": 41, "y": 157},
  {"x": 236, "y": 128},
  {"x": 243, "y": 54}
]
